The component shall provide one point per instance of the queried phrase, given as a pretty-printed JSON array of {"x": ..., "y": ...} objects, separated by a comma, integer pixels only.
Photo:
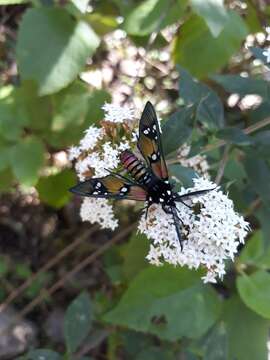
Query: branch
[
  {"x": 222, "y": 164},
  {"x": 16, "y": 292},
  {"x": 48, "y": 292}
]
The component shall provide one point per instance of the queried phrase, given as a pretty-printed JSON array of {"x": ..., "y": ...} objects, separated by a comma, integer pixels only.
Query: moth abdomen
[{"x": 133, "y": 165}]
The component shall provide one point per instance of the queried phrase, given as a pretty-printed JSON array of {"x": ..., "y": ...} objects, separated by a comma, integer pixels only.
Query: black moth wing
[
  {"x": 149, "y": 142},
  {"x": 110, "y": 187}
]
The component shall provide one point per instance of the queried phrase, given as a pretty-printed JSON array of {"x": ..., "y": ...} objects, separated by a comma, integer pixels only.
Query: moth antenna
[{"x": 176, "y": 224}]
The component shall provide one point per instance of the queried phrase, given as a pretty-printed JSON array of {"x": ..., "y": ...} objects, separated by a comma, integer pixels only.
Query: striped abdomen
[{"x": 135, "y": 167}]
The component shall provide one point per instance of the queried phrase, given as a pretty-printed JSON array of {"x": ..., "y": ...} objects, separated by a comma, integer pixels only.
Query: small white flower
[
  {"x": 117, "y": 114},
  {"x": 266, "y": 53},
  {"x": 98, "y": 211},
  {"x": 110, "y": 156},
  {"x": 209, "y": 237},
  {"x": 124, "y": 145},
  {"x": 99, "y": 161},
  {"x": 82, "y": 166},
  {"x": 210, "y": 277},
  {"x": 73, "y": 153},
  {"x": 154, "y": 256},
  {"x": 92, "y": 135}
]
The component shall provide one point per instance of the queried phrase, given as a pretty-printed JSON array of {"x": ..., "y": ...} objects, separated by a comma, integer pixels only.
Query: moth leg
[
  {"x": 145, "y": 208},
  {"x": 182, "y": 202},
  {"x": 177, "y": 220},
  {"x": 146, "y": 213}
]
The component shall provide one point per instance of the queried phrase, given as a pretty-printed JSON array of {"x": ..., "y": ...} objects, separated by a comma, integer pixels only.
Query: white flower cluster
[
  {"x": 99, "y": 161},
  {"x": 198, "y": 162},
  {"x": 211, "y": 229},
  {"x": 117, "y": 114},
  {"x": 98, "y": 211},
  {"x": 95, "y": 154},
  {"x": 211, "y": 234}
]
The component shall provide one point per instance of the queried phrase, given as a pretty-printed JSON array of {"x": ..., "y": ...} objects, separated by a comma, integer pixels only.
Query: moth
[{"x": 149, "y": 178}]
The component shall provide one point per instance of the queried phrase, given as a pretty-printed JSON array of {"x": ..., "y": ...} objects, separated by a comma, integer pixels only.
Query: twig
[
  {"x": 248, "y": 130},
  {"x": 222, "y": 164},
  {"x": 88, "y": 260},
  {"x": 90, "y": 345},
  {"x": 253, "y": 206},
  {"x": 257, "y": 126},
  {"x": 218, "y": 144},
  {"x": 12, "y": 296}
]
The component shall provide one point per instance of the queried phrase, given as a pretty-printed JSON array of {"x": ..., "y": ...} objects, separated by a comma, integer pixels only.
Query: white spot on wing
[{"x": 146, "y": 131}]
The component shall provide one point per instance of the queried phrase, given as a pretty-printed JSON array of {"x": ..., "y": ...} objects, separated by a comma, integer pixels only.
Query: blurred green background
[{"x": 71, "y": 291}]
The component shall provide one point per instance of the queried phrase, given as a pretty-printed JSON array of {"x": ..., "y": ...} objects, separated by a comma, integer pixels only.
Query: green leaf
[
  {"x": 213, "y": 12},
  {"x": 38, "y": 284},
  {"x": 23, "y": 271},
  {"x": 253, "y": 249},
  {"x": 156, "y": 295},
  {"x": 183, "y": 174},
  {"x": 11, "y": 122},
  {"x": 234, "y": 170},
  {"x": 216, "y": 343},
  {"x": 209, "y": 106},
  {"x": 101, "y": 23},
  {"x": 199, "y": 52},
  {"x": 263, "y": 215},
  {"x": 6, "y": 180},
  {"x": 261, "y": 143},
  {"x": 4, "y": 157},
  {"x": 247, "y": 332},
  {"x": 75, "y": 110},
  {"x": 13, "y": 2},
  {"x": 259, "y": 177},
  {"x": 37, "y": 110},
  {"x": 210, "y": 111},
  {"x": 53, "y": 189},
  {"x": 27, "y": 158},
  {"x": 264, "y": 261},
  {"x": 234, "y": 136},
  {"x": 43, "y": 354},
  {"x": 153, "y": 15},
  {"x": 243, "y": 85},
  {"x": 177, "y": 129},
  {"x": 252, "y": 17},
  {"x": 154, "y": 353},
  {"x": 134, "y": 255},
  {"x": 55, "y": 61},
  {"x": 78, "y": 321},
  {"x": 71, "y": 106},
  {"x": 134, "y": 342},
  {"x": 254, "y": 290}
]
